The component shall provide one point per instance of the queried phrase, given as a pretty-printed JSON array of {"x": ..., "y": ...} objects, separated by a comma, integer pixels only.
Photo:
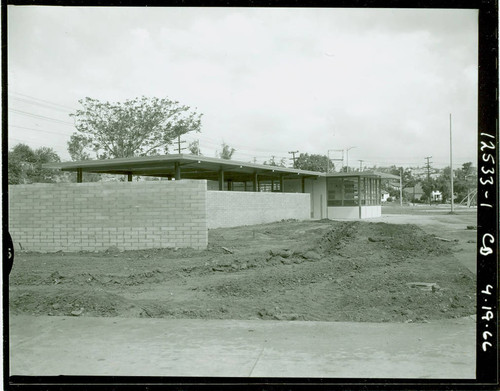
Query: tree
[
  {"x": 227, "y": 152},
  {"x": 194, "y": 147},
  {"x": 138, "y": 127},
  {"x": 313, "y": 162},
  {"x": 464, "y": 180},
  {"x": 443, "y": 183},
  {"x": 25, "y": 165}
]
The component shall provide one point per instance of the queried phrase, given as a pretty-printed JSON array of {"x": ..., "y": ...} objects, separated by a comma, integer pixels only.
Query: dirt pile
[{"x": 357, "y": 271}]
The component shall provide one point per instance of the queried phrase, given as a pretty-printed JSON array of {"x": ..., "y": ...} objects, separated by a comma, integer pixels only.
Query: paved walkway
[{"x": 231, "y": 348}]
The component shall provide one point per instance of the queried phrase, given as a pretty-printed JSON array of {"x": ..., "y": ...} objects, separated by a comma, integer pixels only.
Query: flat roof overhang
[
  {"x": 362, "y": 174},
  {"x": 191, "y": 167}
]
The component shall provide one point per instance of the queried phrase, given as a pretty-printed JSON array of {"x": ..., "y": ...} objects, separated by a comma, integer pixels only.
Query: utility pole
[
  {"x": 428, "y": 165},
  {"x": 451, "y": 168},
  {"x": 179, "y": 144},
  {"x": 293, "y": 158}
]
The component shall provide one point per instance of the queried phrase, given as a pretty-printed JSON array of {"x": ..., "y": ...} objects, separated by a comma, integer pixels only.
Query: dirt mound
[
  {"x": 326, "y": 270},
  {"x": 399, "y": 240},
  {"x": 69, "y": 301}
]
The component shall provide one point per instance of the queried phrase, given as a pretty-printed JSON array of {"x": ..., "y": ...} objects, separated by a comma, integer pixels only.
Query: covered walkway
[{"x": 230, "y": 174}]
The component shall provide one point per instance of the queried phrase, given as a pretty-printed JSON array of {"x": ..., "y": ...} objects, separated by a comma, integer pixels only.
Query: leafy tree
[
  {"x": 464, "y": 179},
  {"x": 138, "y": 127},
  {"x": 428, "y": 185},
  {"x": 313, "y": 162},
  {"x": 443, "y": 183},
  {"x": 194, "y": 147},
  {"x": 408, "y": 179},
  {"x": 25, "y": 165},
  {"x": 227, "y": 152}
]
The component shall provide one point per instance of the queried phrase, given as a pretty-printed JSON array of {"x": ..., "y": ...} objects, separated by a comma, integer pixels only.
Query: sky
[{"x": 380, "y": 83}]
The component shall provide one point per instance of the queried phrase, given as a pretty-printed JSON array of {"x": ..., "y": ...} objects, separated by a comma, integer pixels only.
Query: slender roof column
[
  {"x": 221, "y": 180},
  {"x": 359, "y": 196},
  {"x": 79, "y": 175},
  {"x": 129, "y": 177},
  {"x": 255, "y": 180},
  {"x": 177, "y": 167}
]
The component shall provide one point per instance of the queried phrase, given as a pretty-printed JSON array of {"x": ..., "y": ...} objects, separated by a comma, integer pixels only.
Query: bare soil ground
[{"x": 315, "y": 270}]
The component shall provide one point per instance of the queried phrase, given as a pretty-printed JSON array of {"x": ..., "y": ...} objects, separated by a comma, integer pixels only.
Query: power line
[
  {"x": 43, "y": 105},
  {"x": 38, "y": 130},
  {"x": 40, "y": 116},
  {"x": 40, "y": 100},
  {"x": 34, "y": 142},
  {"x": 240, "y": 147}
]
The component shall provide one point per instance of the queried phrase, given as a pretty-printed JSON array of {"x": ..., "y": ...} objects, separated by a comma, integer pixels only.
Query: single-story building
[
  {"x": 177, "y": 212},
  {"x": 333, "y": 195}
]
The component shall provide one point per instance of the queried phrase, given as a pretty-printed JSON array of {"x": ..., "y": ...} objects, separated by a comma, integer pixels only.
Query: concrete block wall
[
  {"x": 352, "y": 212},
  {"x": 371, "y": 211},
  {"x": 96, "y": 216},
  {"x": 235, "y": 208}
]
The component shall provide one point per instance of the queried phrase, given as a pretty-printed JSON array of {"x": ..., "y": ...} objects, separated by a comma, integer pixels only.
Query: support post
[
  {"x": 282, "y": 184},
  {"x": 129, "y": 177},
  {"x": 321, "y": 206},
  {"x": 451, "y": 167},
  {"x": 379, "y": 192},
  {"x": 229, "y": 185},
  {"x": 177, "y": 171},
  {"x": 303, "y": 184},
  {"x": 359, "y": 196},
  {"x": 79, "y": 175},
  {"x": 245, "y": 185},
  {"x": 326, "y": 197},
  {"x": 221, "y": 180},
  {"x": 255, "y": 180},
  {"x": 401, "y": 188}
]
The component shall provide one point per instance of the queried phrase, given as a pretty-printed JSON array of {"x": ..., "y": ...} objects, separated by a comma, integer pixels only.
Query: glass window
[
  {"x": 350, "y": 191},
  {"x": 343, "y": 191},
  {"x": 334, "y": 188}
]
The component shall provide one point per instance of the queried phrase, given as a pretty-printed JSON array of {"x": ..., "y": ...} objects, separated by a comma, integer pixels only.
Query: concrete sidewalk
[{"x": 232, "y": 348}]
